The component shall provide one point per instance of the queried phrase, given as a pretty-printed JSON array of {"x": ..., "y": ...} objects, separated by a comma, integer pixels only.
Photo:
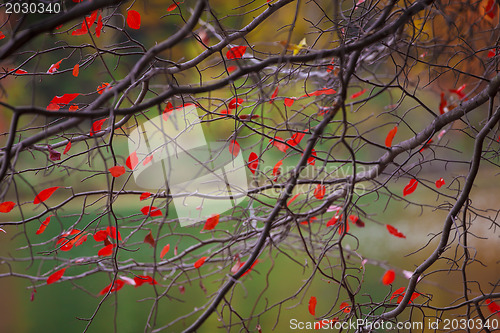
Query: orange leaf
[
  {"x": 73, "y": 108},
  {"x": 410, "y": 188},
  {"x": 144, "y": 196},
  {"x": 56, "y": 276},
  {"x": 44, "y": 225},
  {"x": 133, "y": 19},
  {"x": 388, "y": 277},
  {"x": 253, "y": 162},
  {"x": 106, "y": 251},
  {"x": 117, "y": 171},
  {"x": 319, "y": 192},
  {"x": 164, "y": 251},
  {"x": 45, "y": 194},
  {"x": 211, "y": 222},
  {"x": 394, "y": 231},
  {"x": 345, "y": 307},
  {"x": 76, "y": 70},
  {"x": 102, "y": 88},
  {"x": 440, "y": 182},
  {"x": 96, "y": 126},
  {"x": 149, "y": 239},
  {"x": 151, "y": 211},
  {"x": 312, "y": 305},
  {"x": 234, "y": 148},
  {"x": 132, "y": 161},
  {"x": 390, "y": 136},
  {"x": 6, "y": 206},
  {"x": 200, "y": 262},
  {"x": 236, "y": 52},
  {"x": 356, "y": 95}
]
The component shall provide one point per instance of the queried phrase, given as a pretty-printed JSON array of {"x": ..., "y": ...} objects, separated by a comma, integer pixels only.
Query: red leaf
[
  {"x": 200, "y": 262},
  {"x": 211, "y": 222},
  {"x": 54, "y": 67},
  {"x": 96, "y": 126},
  {"x": 234, "y": 103},
  {"x": 491, "y": 9},
  {"x": 54, "y": 155},
  {"x": 6, "y": 206},
  {"x": 328, "y": 323},
  {"x": 20, "y": 72},
  {"x": 82, "y": 31},
  {"x": 397, "y": 293},
  {"x": 236, "y": 52},
  {"x": 356, "y": 220},
  {"x": 459, "y": 91},
  {"x": 2, "y": 36},
  {"x": 231, "y": 69},
  {"x": 491, "y": 54},
  {"x": 345, "y": 307},
  {"x": 132, "y": 161},
  {"x": 388, "y": 277},
  {"x": 151, "y": 211},
  {"x": 133, "y": 19},
  {"x": 312, "y": 219},
  {"x": 101, "y": 235},
  {"x": 112, "y": 233},
  {"x": 295, "y": 139},
  {"x": 182, "y": 290},
  {"x": 312, "y": 305},
  {"x": 394, "y": 231},
  {"x": 312, "y": 159},
  {"x": 117, "y": 171},
  {"x": 324, "y": 91},
  {"x": 106, "y": 251},
  {"x": 73, "y": 108},
  {"x": 102, "y": 88},
  {"x": 442, "y": 104},
  {"x": 98, "y": 28},
  {"x": 149, "y": 239},
  {"x": 141, "y": 279},
  {"x": 45, "y": 194},
  {"x": 289, "y": 101},
  {"x": 253, "y": 162},
  {"x": 410, "y": 188},
  {"x": 359, "y": 93},
  {"x": 171, "y": 7},
  {"x": 390, "y": 136},
  {"x": 144, "y": 196},
  {"x": 293, "y": 199},
  {"x": 279, "y": 144},
  {"x": 117, "y": 285},
  {"x": 276, "y": 169},
  {"x": 274, "y": 95},
  {"x": 426, "y": 145},
  {"x": 76, "y": 70},
  {"x": 251, "y": 267},
  {"x": 56, "y": 276},
  {"x": 59, "y": 101},
  {"x": 493, "y": 307},
  {"x": 164, "y": 251},
  {"x": 332, "y": 221},
  {"x": 81, "y": 240},
  {"x": 319, "y": 192},
  {"x": 67, "y": 148},
  {"x": 44, "y": 225},
  {"x": 234, "y": 148},
  {"x": 440, "y": 182}
]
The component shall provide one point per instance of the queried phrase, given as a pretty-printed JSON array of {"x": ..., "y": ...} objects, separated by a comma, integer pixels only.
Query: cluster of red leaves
[
  {"x": 400, "y": 294},
  {"x": 103, "y": 87},
  {"x": 102, "y": 236},
  {"x": 118, "y": 284},
  {"x": 66, "y": 243},
  {"x": 60, "y": 101},
  {"x": 338, "y": 219},
  {"x": 87, "y": 23}
]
